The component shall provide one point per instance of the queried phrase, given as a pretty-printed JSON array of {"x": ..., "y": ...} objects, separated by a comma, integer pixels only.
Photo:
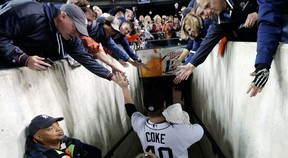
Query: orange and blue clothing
[
  {"x": 122, "y": 40},
  {"x": 97, "y": 33}
]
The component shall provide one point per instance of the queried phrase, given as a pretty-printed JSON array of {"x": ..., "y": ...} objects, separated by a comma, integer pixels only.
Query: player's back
[{"x": 164, "y": 139}]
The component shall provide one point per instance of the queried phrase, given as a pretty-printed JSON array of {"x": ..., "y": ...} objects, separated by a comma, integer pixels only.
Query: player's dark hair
[
  {"x": 154, "y": 102},
  {"x": 156, "y": 113}
]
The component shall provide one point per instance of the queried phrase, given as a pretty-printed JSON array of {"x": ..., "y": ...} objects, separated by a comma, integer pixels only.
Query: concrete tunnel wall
[
  {"x": 243, "y": 127},
  {"x": 92, "y": 107}
]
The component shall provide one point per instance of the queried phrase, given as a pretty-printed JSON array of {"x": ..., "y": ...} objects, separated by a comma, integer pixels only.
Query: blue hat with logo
[{"x": 41, "y": 121}]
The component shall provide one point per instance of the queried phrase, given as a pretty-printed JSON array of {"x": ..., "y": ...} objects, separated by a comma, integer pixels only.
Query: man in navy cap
[{"x": 46, "y": 139}]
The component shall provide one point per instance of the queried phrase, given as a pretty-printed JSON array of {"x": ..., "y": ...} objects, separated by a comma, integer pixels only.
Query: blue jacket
[
  {"x": 193, "y": 45},
  {"x": 96, "y": 32},
  {"x": 270, "y": 29},
  {"x": 76, "y": 147},
  {"x": 226, "y": 24},
  {"x": 27, "y": 29},
  {"x": 122, "y": 40},
  {"x": 191, "y": 3}
]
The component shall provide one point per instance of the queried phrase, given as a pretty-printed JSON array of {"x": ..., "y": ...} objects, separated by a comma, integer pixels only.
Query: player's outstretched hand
[
  {"x": 184, "y": 73},
  {"x": 121, "y": 80},
  {"x": 257, "y": 85}
]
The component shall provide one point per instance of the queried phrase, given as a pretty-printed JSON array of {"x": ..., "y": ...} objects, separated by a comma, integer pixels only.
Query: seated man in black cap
[{"x": 46, "y": 139}]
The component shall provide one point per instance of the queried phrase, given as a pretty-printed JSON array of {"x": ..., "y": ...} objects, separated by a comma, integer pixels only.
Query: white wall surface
[
  {"x": 243, "y": 127},
  {"x": 92, "y": 107}
]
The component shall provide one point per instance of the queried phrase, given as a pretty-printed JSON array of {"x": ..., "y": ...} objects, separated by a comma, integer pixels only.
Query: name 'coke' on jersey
[{"x": 155, "y": 137}]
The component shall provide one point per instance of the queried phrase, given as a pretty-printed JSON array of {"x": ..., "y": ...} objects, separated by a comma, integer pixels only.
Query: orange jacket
[
  {"x": 91, "y": 45},
  {"x": 133, "y": 37}
]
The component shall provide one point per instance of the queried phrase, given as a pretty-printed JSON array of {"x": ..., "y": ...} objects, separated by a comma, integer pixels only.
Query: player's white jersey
[{"x": 164, "y": 139}]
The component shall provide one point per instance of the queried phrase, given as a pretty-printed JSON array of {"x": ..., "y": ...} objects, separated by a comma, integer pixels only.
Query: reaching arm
[
  {"x": 184, "y": 54},
  {"x": 191, "y": 3},
  {"x": 98, "y": 53},
  {"x": 90, "y": 44},
  {"x": 269, "y": 35},
  {"x": 13, "y": 27},
  {"x": 125, "y": 44},
  {"x": 215, "y": 33},
  {"x": 118, "y": 52},
  {"x": 76, "y": 49},
  {"x": 134, "y": 59},
  {"x": 123, "y": 83},
  {"x": 186, "y": 51},
  {"x": 132, "y": 38},
  {"x": 177, "y": 62},
  {"x": 269, "y": 31},
  {"x": 104, "y": 58}
]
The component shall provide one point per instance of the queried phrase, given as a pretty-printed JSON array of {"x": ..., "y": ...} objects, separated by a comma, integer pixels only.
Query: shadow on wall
[
  {"x": 214, "y": 149},
  {"x": 22, "y": 140}
]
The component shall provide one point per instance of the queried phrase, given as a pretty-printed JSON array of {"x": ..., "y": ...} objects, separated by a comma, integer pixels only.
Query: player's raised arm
[{"x": 123, "y": 82}]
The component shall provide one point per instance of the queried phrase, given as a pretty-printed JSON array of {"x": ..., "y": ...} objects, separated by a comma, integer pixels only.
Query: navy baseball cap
[
  {"x": 78, "y": 16},
  {"x": 41, "y": 121},
  {"x": 153, "y": 100}
]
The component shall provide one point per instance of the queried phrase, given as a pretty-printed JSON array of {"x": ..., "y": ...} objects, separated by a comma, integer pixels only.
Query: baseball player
[{"x": 164, "y": 139}]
